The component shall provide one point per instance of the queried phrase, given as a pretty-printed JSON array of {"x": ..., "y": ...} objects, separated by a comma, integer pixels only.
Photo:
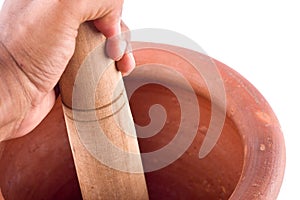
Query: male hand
[{"x": 39, "y": 36}]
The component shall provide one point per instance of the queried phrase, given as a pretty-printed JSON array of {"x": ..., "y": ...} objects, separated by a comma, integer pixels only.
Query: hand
[{"x": 40, "y": 37}]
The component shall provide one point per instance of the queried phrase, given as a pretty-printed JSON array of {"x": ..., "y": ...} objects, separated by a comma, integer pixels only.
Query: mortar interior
[{"x": 189, "y": 177}]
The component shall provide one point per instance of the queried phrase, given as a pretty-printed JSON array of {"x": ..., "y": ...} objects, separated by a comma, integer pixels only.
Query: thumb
[{"x": 110, "y": 27}]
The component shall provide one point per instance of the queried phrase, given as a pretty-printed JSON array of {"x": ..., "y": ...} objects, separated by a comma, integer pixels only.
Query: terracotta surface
[{"x": 247, "y": 162}]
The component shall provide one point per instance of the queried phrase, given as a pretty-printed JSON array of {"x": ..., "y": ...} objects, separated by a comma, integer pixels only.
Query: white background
[{"x": 258, "y": 38}]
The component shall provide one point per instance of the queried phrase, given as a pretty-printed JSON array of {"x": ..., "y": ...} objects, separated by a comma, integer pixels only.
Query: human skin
[{"x": 37, "y": 39}]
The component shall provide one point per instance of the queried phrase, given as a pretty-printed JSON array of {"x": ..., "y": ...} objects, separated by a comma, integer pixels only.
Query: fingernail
[
  {"x": 116, "y": 47},
  {"x": 122, "y": 49}
]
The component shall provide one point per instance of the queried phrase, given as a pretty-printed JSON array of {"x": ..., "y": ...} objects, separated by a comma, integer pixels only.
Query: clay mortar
[{"x": 246, "y": 163}]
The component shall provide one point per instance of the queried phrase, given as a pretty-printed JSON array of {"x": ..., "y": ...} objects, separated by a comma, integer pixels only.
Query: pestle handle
[{"x": 99, "y": 102}]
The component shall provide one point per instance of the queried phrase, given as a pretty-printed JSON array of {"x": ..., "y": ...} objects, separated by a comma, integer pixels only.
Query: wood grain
[{"x": 96, "y": 109}]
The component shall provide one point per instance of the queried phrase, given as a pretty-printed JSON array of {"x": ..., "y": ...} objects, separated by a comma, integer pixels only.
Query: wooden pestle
[{"x": 99, "y": 103}]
